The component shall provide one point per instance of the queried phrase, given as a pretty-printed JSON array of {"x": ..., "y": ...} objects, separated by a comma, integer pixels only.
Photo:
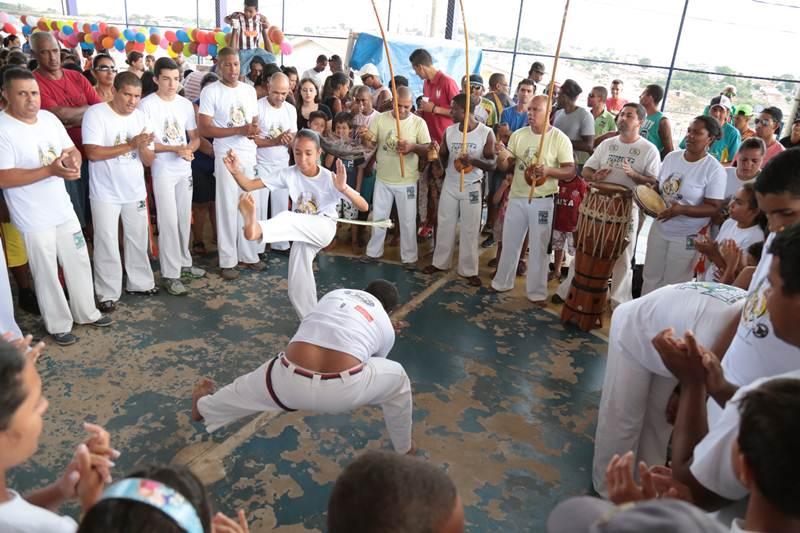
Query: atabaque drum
[{"x": 603, "y": 228}]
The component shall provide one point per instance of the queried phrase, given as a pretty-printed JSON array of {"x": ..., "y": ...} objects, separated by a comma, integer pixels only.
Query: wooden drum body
[{"x": 603, "y": 228}]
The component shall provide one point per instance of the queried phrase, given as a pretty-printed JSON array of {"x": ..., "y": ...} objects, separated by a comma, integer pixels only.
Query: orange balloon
[
  {"x": 113, "y": 32},
  {"x": 107, "y": 42},
  {"x": 275, "y": 35}
]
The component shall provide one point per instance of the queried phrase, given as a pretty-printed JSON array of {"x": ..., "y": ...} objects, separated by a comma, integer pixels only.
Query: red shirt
[
  {"x": 614, "y": 105},
  {"x": 72, "y": 90},
  {"x": 440, "y": 91},
  {"x": 570, "y": 196}
]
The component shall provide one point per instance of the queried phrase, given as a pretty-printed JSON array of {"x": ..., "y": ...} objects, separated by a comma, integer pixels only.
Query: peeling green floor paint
[{"x": 505, "y": 397}]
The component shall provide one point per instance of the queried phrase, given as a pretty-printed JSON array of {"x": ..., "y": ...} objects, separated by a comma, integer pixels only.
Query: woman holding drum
[{"x": 693, "y": 185}]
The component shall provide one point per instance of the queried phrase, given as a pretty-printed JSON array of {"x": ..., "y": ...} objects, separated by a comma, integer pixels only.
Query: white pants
[
  {"x": 621, "y": 276},
  {"x": 632, "y": 414},
  {"x": 309, "y": 233},
  {"x": 405, "y": 196},
  {"x": 231, "y": 244},
  {"x": 668, "y": 261},
  {"x": 381, "y": 382},
  {"x": 459, "y": 207},
  {"x": 536, "y": 219},
  {"x": 276, "y": 201},
  {"x": 7, "y": 322},
  {"x": 174, "y": 213},
  {"x": 107, "y": 264}
]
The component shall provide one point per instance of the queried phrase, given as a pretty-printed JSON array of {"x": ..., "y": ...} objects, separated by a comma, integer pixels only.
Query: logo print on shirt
[
  {"x": 306, "y": 204},
  {"x": 47, "y": 154},
  {"x": 672, "y": 185},
  {"x": 754, "y": 314},
  {"x": 237, "y": 116},
  {"x": 123, "y": 138},
  {"x": 172, "y": 132}
]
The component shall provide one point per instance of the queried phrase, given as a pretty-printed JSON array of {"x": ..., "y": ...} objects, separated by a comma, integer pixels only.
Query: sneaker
[
  {"x": 256, "y": 267},
  {"x": 174, "y": 287},
  {"x": 148, "y": 292},
  {"x": 102, "y": 322},
  {"x": 64, "y": 339},
  {"x": 488, "y": 242},
  {"x": 230, "y": 274},
  {"x": 367, "y": 259},
  {"x": 192, "y": 272}
]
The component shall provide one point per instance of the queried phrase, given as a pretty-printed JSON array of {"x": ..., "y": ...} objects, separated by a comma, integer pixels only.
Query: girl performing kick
[{"x": 314, "y": 191}]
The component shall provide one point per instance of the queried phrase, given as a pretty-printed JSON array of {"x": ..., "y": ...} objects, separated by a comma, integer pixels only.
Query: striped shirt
[{"x": 250, "y": 29}]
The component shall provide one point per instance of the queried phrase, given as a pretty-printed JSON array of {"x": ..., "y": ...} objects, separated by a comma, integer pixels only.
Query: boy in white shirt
[
  {"x": 36, "y": 156},
  {"x": 277, "y": 120},
  {"x": 229, "y": 115},
  {"x": 172, "y": 117},
  {"x": 118, "y": 140}
]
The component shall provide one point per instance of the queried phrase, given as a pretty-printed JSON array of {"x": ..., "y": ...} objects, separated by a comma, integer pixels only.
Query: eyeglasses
[
  {"x": 106, "y": 69},
  {"x": 763, "y": 121}
]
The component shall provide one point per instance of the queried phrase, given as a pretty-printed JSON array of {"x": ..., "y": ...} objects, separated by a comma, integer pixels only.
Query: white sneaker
[
  {"x": 192, "y": 272},
  {"x": 174, "y": 287}
]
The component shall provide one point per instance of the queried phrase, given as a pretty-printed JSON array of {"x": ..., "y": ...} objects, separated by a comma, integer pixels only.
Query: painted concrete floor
[{"x": 505, "y": 397}]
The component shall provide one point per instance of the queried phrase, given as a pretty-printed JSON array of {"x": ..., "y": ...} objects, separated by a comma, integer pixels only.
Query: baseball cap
[
  {"x": 369, "y": 70},
  {"x": 586, "y": 514},
  {"x": 537, "y": 66},
  {"x": 744, "y": 109},
  {"x": 722, "y": 101},
  {"x": 774, "y": 112},
  {"x": 476, "y": 80}
]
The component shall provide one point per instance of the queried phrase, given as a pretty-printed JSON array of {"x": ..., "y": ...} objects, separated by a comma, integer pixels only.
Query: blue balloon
[
  {"x": 95, "y": 27},
  {"x": 140, "y": 38},
  {"x": 119, "y": 44},
  {"x": 153, "y": 30},
  {"x": 129, "y": 35},
  {"x": 212, "y": 50},
  {"x": 67, "y": 30},
  {"x": 226, "y": 29},
  {"x": 87, "y": 46},
  {"x": 182, "y": 36}
]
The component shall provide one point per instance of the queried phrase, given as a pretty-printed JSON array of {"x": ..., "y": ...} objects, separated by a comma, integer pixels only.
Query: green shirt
[
  {"x": 412, "y": 129},
  {"x": 604, "y": 123},
  {"x": 524, "y": 144},
  {"x": 650, "y": 129}
]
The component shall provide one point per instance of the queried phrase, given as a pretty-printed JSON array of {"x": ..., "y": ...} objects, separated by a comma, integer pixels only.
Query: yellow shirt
[
  {"x": 524, "y": 144},
  {"x": 412, "y": 129}
]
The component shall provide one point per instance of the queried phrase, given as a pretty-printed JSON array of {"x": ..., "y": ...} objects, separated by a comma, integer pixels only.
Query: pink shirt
[
  {"x": 772, "y": 151},
  {"x": 615, "y": 104},
  {"x": 440, "y": 91}
]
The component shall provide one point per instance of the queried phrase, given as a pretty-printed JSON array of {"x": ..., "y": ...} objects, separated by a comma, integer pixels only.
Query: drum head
[
  {"x": 649, "y": 200},
  {"x": 611, "y": 189}
]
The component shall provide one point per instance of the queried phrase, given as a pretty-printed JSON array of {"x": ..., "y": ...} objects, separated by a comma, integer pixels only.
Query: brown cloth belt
[{"x": 333, "y": 375}]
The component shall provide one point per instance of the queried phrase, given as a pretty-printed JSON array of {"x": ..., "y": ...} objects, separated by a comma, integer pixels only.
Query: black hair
[
  {"x": 7, "y": 40},
  {"x": 72, "y": 66},
  {"x": 129, "y": 78},
  {"x": 570, "y": 89},
  {"x": 12, "y": 393},
  {"x": 17, "y": 58},
  {"x": 312, "y": 82},
  {"x": 536, "y": 66},
  {"x": 641, "y": 112},
  {"x": 90, "y": 77},
  {"x": 210, "y": 77},
  {"x": 769, "y": 439},
  {"x": 711, "y": 125},
  {"x": 752, "y": 203},
  {"x": 227, "y": 51},
  {"x": 307, "y": 133},
  {"x": 33, "y": 64},
  {"x": 251, "y": 3},
  {"x": 289, "y": 70},
  {"x": 385, "y": 292},
  {"x": 129, "y": 516},
  {"x": 420, "y": 57},
  {"x": 100, "y": 57},
  {"x": 526, "y": 81},
  {"x": 400, "y": 81},
  {"x": 461, "y": 101},
  {"x": 343, "y": 116},
  {"x": 391, "y": 493},
  {"x": 495, "y": 78},
  {"x": 270, "y": 69},
  {"x": 333, "y": 82},
  {"x": 786, "y": 247},
  {"x": 756, "y": 250},
  {"x": 133, "y": 57},
  {"x": 16, "y": 73},
  {"x": 754, "y": 143},
  {"x": 655, "y": 91},
  {"x": 315, "y": 115},
  {"x": 781, "y": 174},
  {"x": 149, "y": 85},
  {"x": 322, "y": 58},
  {"x": 164, "y": 63},
  {"x": 775, "y": 113},
  {"x": 616, "y": 81},
  {"x": 258, "y": 61}
]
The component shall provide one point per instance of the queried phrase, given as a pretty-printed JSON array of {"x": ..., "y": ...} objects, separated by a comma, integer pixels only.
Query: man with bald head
[
  {"x": 391, "y": 186},
  {"x": 277, "y": 122},
  {"x": 67, "y": 94},
  {"x": 534, "y": 217}
]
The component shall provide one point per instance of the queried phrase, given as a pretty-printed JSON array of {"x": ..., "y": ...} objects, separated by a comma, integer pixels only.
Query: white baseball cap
[{"x": 369, "y": 70}]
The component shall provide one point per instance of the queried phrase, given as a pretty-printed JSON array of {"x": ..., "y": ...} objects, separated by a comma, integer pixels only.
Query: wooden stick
[
  {"x": 540, "y": 151},
  {"x": 468, "y": 91},
  {"x": 394, "y": 88}
]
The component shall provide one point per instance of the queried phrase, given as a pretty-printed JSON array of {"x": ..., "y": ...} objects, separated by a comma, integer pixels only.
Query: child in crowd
[
  {"x": 343, "y": 130},
  {"x": 318, "y": 122},
  {"x": 167, "y": 499},
  {"x": 570, "y": 195},
  {"x": 249, "y": 28},
  {"x": 430, "y": 186},
  {"x": 746, "y": 225}
]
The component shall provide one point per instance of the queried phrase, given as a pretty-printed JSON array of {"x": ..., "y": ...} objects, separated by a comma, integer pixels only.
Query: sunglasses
[
  {"x": 763, "y": 121},
  {"x": 106, "y": 69}
]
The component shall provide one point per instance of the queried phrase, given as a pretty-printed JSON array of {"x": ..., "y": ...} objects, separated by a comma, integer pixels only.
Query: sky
[{"x": 754, "y": 37}]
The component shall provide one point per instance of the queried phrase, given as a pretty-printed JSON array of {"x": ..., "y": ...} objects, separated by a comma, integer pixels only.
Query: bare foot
[
  {"x": 399, "y": 325},
  {"x": 203, "y": 388}
]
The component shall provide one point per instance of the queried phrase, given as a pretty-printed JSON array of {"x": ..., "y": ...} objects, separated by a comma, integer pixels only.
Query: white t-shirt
[
  {"x": 575, "y": 125},
  {"x": 318, "y": 77},
  {"x": 641, "y": 155},
  {"x": 45, "y": 203},
  {"x": 704, "y": 308},
  {"x": 711, "y": 465},
  {"x": 360, "y": 119},
  {"x": 230, "y": 107},
  {"x": 685, "y": 183},
  {"x": 350, "y": 321},
  {"x": 273, "y": 123},
  {"x": 310, "y": 195},
  {"x": 476, "y": 141},
  {"x": 733, "y": 183},
  {"x": 170, "y": 120},
  {"x": 19, "y": 516},
  {"x": 743, "y": 237},
  {"x": 755, "y": 351},
  {"x": 119, "y": 180}
]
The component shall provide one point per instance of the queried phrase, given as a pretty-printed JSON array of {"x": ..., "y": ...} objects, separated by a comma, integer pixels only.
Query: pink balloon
[
  {"x": 202, "y": 49},
  {"x": 95, "y": 35},
  {"x": 3, "y": 18},
  {"x": 286, "y": 48},
  {"x": 164, "y": 43}
]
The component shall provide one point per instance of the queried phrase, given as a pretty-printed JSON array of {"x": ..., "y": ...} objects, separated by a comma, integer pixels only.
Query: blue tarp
[{"x": 447, "y": 56}]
